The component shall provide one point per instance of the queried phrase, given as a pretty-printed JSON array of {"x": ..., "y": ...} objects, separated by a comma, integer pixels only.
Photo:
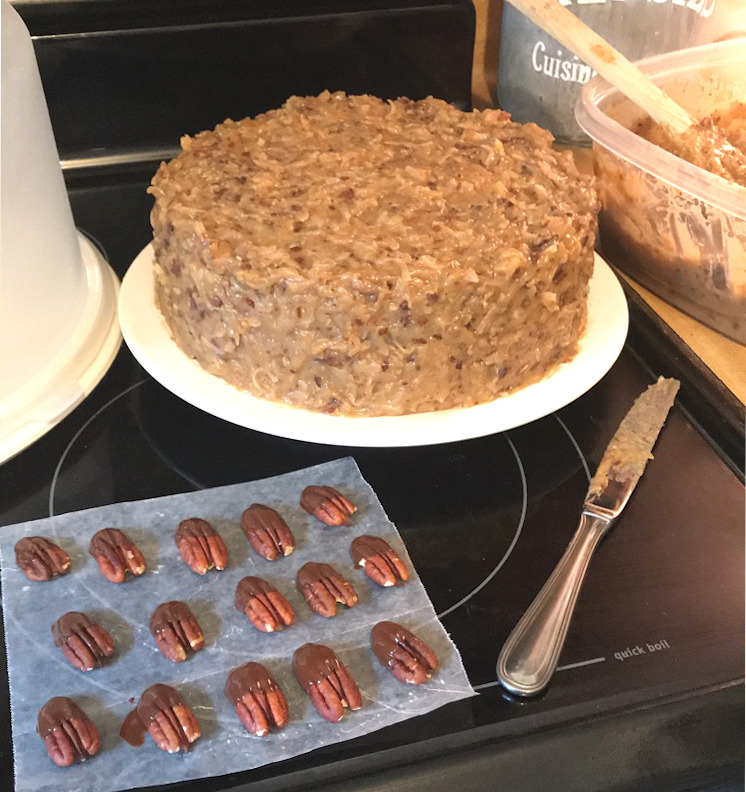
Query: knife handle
[{"x": 529, "y": 656}]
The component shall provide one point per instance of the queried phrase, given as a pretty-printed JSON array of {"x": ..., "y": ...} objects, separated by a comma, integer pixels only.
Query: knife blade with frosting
[{"x": 529, "y": 657}]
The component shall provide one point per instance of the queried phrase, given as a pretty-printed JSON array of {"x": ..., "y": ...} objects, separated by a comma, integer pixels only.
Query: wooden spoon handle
[{"x": 574, "y": 34}]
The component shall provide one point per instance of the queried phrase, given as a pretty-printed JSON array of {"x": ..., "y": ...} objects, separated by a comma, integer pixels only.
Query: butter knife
[{"x": 529, "y": 657}]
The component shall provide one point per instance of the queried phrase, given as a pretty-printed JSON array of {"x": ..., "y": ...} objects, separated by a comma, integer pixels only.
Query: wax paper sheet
[{"x": 37, "y": 669}]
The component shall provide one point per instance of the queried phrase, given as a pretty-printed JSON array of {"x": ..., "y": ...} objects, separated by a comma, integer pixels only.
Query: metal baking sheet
[{"x": 38, "y": 671}]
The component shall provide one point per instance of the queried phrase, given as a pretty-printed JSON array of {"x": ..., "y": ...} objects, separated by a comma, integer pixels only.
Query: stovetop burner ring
[{"x": 145, "y": 388}]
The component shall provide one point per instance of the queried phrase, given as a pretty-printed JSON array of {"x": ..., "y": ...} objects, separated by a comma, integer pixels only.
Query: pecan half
[
  {"x": 167, "y": 718},
  {"x": 69, "y": 734},
  {"x": 84, "y": 643},
  {"x": 258, "y": 700},
  {"x": 267, "y": 532},
  {"x": 327, "y": 505},
  {"x": 265, "y": 607},
  {"x": 377, "y": 559},
  {"x": 176, "y": 630},
  {"x": 323, "y": 587},
  {"x": 408, "y": 658},
  {"x": 326, "y": 680},
  {"x": 39, "y": 559},
  {"x": 116, "y": 554},
  {"x": 200, "y": 545}
]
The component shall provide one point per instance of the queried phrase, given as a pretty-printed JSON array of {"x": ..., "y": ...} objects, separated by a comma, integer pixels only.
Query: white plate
[{"x": 147, "y": 335}]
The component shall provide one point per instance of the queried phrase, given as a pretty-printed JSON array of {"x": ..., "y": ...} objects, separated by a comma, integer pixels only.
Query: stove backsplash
[{"x": 125, "y": 79}]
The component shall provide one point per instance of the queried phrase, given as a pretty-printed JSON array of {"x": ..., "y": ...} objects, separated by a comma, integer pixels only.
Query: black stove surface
[{"x": 648, "y": 693}]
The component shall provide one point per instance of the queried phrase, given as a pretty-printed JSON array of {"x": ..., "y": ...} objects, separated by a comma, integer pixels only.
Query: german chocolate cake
[{"x": 356, "y": 256}]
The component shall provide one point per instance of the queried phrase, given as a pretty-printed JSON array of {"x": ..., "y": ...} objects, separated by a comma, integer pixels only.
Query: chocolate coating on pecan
[
  {"x": 163, "y": 713},
  {"x": 326, "y": 680},
  {"x": 200, "y": 545},
  {"x": 328, "y": 505},
  {"x": 69, "y": 734},
  {"x": 250, "y": 676},
  {"x": 267, "y": 532},
  {"x": 377, "y": 559},
  {"x": 257, "y": 698},
  {"x": 116, "y": 554},
  {"x": 84, "y": 643},
  {"x": 266, "y": 608},
  {"x": 39, "y": 559},
  {"x": 323, "y": 588},
  {"x": 314, "y": 662},
  {"x": 176, "y": 630},
  {"x": 407, "y": 657}
]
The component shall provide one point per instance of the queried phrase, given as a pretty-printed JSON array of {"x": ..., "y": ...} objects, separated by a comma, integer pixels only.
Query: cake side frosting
[{"x": 346, "y": 254}]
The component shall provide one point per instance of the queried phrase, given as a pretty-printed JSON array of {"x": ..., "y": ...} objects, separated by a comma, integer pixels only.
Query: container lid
[{"x": 72, "y": 373}]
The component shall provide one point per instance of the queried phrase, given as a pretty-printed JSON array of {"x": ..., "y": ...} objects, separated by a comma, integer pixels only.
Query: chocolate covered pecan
[
  {"x": 176, "y": 630},
  {"x": 84, "y": 643},
  {"x": 39, "y": 559},
  {"x": 323, "y": 587},
  {"x": 258, "y": 700},
  {"x": 69, "y": 734},
  {"x": 200, "y": 545},
  {"x": 378, "y": 560},
  {"x": 267, "y": 532},
  {"x": 408, "y": 658},
  {"x": 165, "y": 716},
  {"x": 327, "y": 505},
  {"x": 263, "y": 604},
  {"x": 116, "y": 554},
  {"x": 326, "y": 680}
]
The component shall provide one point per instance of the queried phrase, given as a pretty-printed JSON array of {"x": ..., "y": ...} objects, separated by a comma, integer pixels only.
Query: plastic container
[
  {"x": 676, "y": 229},
  {"x": 58, "y": 324}
]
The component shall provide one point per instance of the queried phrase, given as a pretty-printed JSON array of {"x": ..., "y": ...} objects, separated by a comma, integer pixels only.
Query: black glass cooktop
[{"x": 649, "y": 685}]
